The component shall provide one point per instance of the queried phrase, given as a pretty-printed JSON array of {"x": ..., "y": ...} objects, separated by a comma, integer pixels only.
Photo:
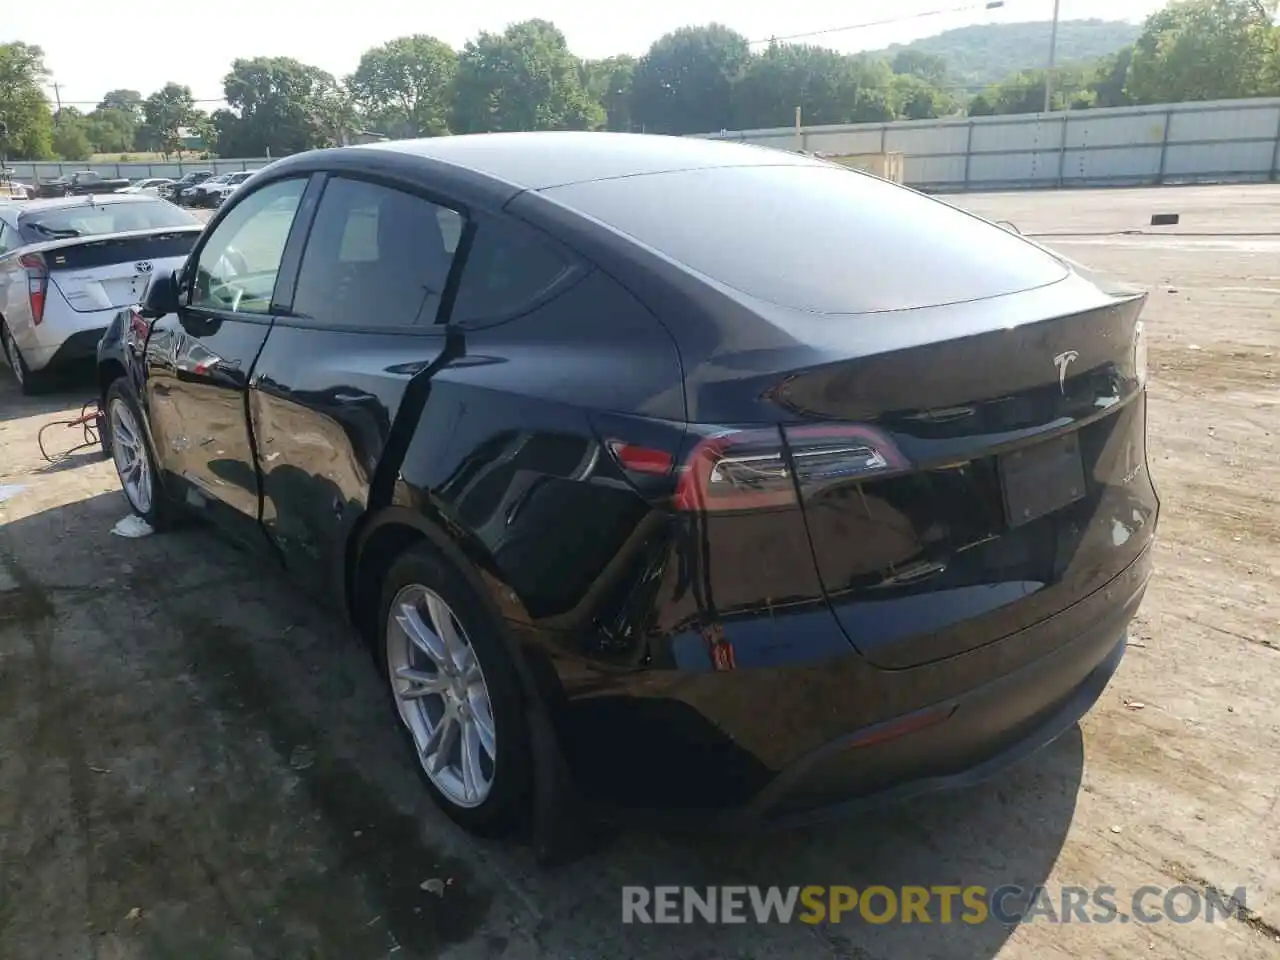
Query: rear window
[
  {"x": 816, "y": 238},
  {"x": 93, "y": 219}
]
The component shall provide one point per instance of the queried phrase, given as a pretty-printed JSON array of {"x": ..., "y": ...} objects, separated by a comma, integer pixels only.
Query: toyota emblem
[{"x": 143, "y": 266}]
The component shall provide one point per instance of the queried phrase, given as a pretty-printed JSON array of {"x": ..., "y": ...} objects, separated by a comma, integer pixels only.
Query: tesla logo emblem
[
  {"x": 1062, "y": 361},
  {"x": 143, "y": 266}
]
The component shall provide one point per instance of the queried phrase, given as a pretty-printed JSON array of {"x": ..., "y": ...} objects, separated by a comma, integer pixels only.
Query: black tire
[
  {"x": 159, "y": 514},
  {"x": 30, "y": 382},
  {"x": 506, "y": 803}
]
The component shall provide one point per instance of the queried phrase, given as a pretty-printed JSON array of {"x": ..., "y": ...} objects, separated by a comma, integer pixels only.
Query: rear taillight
[
  {"x": 759, "y": 469},
  {"x": 37, "y": 283}
]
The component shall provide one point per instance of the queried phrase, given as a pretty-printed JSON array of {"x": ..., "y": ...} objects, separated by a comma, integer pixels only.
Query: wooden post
[
  {"x": 968, "y": 153},
  {"x": 1275, "y": 152},
  {"x": 1164, "y": 144}
]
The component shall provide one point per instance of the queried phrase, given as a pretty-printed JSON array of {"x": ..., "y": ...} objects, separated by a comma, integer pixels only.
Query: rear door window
[
  {"x": 376, "y": 257},
  {"x": 509, "y": 268}
]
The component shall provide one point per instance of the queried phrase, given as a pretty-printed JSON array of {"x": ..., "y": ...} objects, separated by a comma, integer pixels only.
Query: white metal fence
[{"x": 1225, "y": 140}]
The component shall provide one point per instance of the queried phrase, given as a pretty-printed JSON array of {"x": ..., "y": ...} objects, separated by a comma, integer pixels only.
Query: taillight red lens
[
  {"x": 758, "y": 470},
  {"x": 37, "y": 283},
  {"x": 138, "y": 324},
  {"x": 636, "y": 459}
]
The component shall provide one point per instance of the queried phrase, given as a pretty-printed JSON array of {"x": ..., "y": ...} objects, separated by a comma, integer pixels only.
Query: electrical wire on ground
[{"x": 88, "y": 424}]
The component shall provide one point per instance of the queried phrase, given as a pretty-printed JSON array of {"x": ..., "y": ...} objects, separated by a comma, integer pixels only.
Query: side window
[
  {"x": 376, "y": 257},
  {"x": 238, "y": 265},
  {"x": 508, "y": 267},
  {"x": 8, "y": 239}
]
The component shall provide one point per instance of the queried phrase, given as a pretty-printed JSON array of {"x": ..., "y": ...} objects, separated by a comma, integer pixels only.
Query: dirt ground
[{"x": 193, "y": 764}]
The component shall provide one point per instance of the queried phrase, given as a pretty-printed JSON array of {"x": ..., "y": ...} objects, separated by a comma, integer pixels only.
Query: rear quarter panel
[{"x": 504, "y": 454}]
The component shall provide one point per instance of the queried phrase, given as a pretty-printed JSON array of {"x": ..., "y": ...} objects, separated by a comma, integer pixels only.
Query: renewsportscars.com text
[{"x": 1008, "y": 904}]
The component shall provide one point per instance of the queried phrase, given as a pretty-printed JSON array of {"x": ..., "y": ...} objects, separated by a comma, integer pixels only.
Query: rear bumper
[
  {"x": 982, "y": 734},
  {"x": 781, "y": 748},
  {"x": 80, "y": 346}
]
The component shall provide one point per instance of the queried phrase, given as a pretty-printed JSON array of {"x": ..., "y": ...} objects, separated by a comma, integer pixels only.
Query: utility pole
[
  {"x": 57, "y": 96},
  {"x": 1053, "y": 49}
]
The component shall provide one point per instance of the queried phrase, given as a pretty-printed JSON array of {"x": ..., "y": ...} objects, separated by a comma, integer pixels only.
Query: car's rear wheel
[
  {"x": 456, "y": 691},
  {"x": 134, "y": 461},
  {"x": 30, "y": 381}
]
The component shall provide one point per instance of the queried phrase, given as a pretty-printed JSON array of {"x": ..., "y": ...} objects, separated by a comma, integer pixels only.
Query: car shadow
[
  {"x": 221, "y": 755},
  {"x": 68, "y": 391}
]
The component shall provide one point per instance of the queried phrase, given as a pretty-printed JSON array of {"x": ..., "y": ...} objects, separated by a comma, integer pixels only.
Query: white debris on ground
[{"x": 132, "y": 526}]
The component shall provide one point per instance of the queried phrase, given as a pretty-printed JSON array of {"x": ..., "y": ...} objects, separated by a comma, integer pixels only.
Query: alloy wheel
[
  {"x": 130, "y": 454},
  {"x": 442, "y": 695}
]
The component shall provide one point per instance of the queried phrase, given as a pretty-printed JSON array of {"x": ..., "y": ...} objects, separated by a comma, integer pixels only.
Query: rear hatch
[
  {"x": 963, "y": 413},
  {"x": 1006, "y": 480},
  {"x": 98, "y": 273}
]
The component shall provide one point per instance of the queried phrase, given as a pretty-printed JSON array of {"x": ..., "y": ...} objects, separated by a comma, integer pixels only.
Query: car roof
[
  {"x": 545, "y": 159},
  {"x": 98, "y": 199}
]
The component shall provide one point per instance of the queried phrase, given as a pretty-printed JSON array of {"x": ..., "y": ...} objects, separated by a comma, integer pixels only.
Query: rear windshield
[
  {"x": 818, "y": 238},
  {"x": 92, "y": 219}
]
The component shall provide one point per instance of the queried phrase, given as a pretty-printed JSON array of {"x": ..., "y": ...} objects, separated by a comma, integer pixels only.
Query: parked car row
[{"x": 197, "y": 188}]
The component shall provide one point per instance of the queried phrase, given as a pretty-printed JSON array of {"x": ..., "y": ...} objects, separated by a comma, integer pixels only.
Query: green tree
[
  {"x": 1109, "y": 77},
  {"x": 404, "y": 88},
  {"x": 916, "y": 63},
  {"x": 916, "y": 98},
  {"x": 786, "y": 76},
  {"x": 980, "y": 106},
  {"x": 608, "y": 83},
  {"x": 524, "y": 78},
  {"x": 71, "y": 136},
  {"x": 126, "y": 101},
  {"x": 165, "y": 113},
  {"x": 24, "y": 109},
  {"x": 685, "y": 83},
  {"x": 1024, "y": 93},
  {"x": 279, "y": 106},
  {"x": 1205, "y": 50},
  {"x": 113, "y": 125}
]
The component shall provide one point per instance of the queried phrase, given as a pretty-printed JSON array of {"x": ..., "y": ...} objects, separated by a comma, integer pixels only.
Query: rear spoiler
[{"x": 65, "y": 242}]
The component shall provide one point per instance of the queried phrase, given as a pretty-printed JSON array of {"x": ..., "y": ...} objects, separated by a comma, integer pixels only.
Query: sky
[{"x": 143, "y": 51}]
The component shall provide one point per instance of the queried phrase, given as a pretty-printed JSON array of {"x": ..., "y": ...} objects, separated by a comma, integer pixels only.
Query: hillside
[{"x": 983, "y": 54}]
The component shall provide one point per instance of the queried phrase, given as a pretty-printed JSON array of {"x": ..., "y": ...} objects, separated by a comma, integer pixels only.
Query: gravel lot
[{"x": 196, "y": 765}]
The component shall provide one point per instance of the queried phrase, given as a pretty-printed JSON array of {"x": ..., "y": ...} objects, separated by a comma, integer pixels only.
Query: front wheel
[
  {"x": 131, "y": 452},
  {"x": 456, "y": 691}
]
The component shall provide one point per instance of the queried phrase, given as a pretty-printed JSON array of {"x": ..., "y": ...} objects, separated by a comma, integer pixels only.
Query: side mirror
[{"x": 162, "y": 296}]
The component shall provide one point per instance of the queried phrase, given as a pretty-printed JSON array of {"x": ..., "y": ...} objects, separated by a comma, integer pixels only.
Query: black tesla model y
[{"x": 763, "y": 488}]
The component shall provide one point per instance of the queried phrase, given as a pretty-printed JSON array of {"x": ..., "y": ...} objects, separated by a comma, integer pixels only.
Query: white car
[
  {"x": 68, "y": 265},
  {"x": 199, "y": 194},
  {"x": 217, "y": 193},
  {"x": 150, "y": 186}
]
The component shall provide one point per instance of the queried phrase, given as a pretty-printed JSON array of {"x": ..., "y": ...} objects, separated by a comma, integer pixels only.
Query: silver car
[{"x": 68, "y": 265}]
